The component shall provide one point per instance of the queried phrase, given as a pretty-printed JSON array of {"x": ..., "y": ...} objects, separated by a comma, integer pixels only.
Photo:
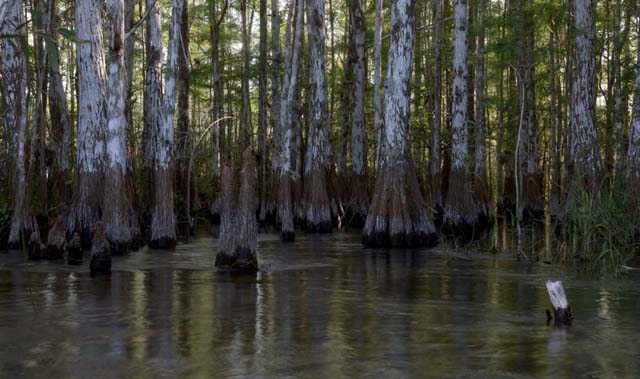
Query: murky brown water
[{"x": 325, "y": 307}]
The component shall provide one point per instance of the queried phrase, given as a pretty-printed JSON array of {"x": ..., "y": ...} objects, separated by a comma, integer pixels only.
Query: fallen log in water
[{"x": 562, "y": 313}]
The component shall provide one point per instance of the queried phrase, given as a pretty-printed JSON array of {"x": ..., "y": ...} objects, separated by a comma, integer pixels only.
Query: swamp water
[{"x": 324, "y": 307}]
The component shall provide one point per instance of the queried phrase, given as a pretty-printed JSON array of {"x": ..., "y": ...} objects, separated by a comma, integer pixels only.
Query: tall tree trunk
[
  {"x": 480, "y": 186},
  {"x": 398, "y": 214},
  {"x": 163, "y": 233},
  {"x": 460, "y": 213},
  {"x": 359, "y": 191},
  {"x": 435, "y": 173},
  {"x": 290, "y": 83},
  {"x": 587, "y": 170},
  {"x": 316, "y": 199},
  {"x": 92, "y": 120},
  {"x": 263, "y": 172},
  {"x": 217, "y": 133},
  {"x": 58, "y": 113},
  {"x": 377, "y": 80},
  {"x": 347, "y": 104},
  {"x": 184, "y": 120},
  {"x": 633, "y": 154},
  {"x": 554, "y": 146},
  {"x": 617, "y": 49},
  {"x": 245, "y": 115},
  {"x": 276, "y": 82},
  {"x": 14, "y": 88},
  {"x": 116, "y": 203}
]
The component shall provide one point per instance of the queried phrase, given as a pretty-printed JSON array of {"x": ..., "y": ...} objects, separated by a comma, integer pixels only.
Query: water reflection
[{"x": 325, "y": 307}]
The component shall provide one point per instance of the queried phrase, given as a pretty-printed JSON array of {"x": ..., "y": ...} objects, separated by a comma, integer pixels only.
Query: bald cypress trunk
[
  {"x": 377, "y": 79},
  {"x": 633, "y": 154},
  {"x": 163, "y": 233},
  {"x": 359, "y": 201},
  {"x": 554, "y": 146},
  {"x": 217, "y": 132},
  {"x": 435, "y": 162},
  {"x": 184, "y": 187},
  {"x": 586, "y": 171},
  {"x": 92, "y": 121},
  {"x": 14, "y": 88},
  {"x": 316, "y": 199},
  {"x": 481, "y": 186},
  {"x": 460, "y": 213},
  {"x": 398, "y": 213},
  {"x": 268, "y": 211},
  {"x": 245, "y": 115},
  {"x": 262, "y": 112},
  {"x": 116, "y": 206},
  {"x": 617, "y": 75}
]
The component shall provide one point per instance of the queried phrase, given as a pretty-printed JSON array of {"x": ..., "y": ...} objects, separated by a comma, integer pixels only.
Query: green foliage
[{"x": 603, "y": 231}]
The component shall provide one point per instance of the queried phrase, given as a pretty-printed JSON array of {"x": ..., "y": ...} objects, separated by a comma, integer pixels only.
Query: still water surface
[{"x": 324, "y": 307}]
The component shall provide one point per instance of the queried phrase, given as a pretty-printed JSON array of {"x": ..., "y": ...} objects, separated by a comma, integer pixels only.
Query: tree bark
[
  {"x": 359, "y": 191},
  {"x": 617, "y": 74},
  {"x": 85, "y": 211},
  {"x": 245, "y": 115},
  {"x": 460, "y": 213},
  {"x": 184, "y": 120},
  {"x": 398, "y": 213},
  {"x": 163, "y": 233},
  {"x": 116, "y": 203},
  {"x": 276, "y": 83},
  {"x": 587, "y": 169},
  {"x": 435, "y": 173},
  {"x": 262, "y": 111},
  {"x": 633, "y": 153},
  {"x": 14, "y": 87},
  {"x": 377, "y": 80}
]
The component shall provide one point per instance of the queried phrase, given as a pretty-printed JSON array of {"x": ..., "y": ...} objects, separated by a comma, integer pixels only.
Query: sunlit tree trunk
[
  {"x": 435, "y": 163},
  {"x": 460, "y": 213},
  {"x": 14, "y": 89},
  {"x": 92, "y": 120},
  {"x": 398, "y": 213},
  {"x": 359, "y": 201},
  {"x": 245, "y": 114},
  {"x": 60, "y": 137},
  {"x": 554, "y": 146},
  {"x": 163, "y": 233},
  {"x": 480, "y": 186},
  {"x": 587, "y": 170},
  {"x": 184, "y": 120},
  {"x": 290, "y": 82},
  {"x": 276, "y": 82},
  {"x": 116, "y": 204},
  {"x": 262, "y": 111},
  {"x": 377, "y": 79},
  {"x": 633, "y": 154}
]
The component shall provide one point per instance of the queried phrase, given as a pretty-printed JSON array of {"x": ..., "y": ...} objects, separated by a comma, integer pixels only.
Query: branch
[
  {"x": 222, "y": 13},
  {"x": 139, "y": 23}
]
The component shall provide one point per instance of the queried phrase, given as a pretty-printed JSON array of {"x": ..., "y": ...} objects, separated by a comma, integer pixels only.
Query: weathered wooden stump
[
  {"x": 74, "y": 250},
  {"x": 56, "y": 241},
  {"x": 562, "y": 313},
  {"x": 36, "y": 247},
  {"x": 100, "y": 252},
  {"x": 239, "y": 226}
]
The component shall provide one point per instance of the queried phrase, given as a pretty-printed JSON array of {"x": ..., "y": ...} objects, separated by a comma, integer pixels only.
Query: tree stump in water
[
  {"x": 36, "y": 247},
  {"x": 562, "y": 313},
  {"x": 100, "y": 252},
  {"x": 56, "y": 241},
  {"x": 74, "y": 250},
  {"x": 238, "y": 224}
]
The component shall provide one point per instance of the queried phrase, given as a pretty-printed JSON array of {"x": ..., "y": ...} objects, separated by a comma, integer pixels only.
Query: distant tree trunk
[
  {"x": 377, "y": 79},
  {"x": 290, "y": 82},
  {"x": 276, "y": 82},
  {"x": 617, "y": 49},
  {"x": 347, "y": 104},
  {"x": 217, "y": 132},
  {"x": 245, "y": 115},
  {"x": 481, "y": 185},
  {"x": 116, "y": 203},
  {"x": 152, "y": 106},
  {"x": 435, "y": 173},
  {"x": 14, "y": 88},
  {"x": 460, "y": 213},
  {"x": 92, "y": 120},
  {"x": 58, "y": 113},
  {"x": 359, "y": 191},
  {"x": 163, "y": 233},
  {"x": 316, "y": 198},
  {"x": 262, "y": 111},
  {"x": 184, "y": 120},
  {"x": 398, "y": 214},
  {"x": 587, "y": 170},
  {"x": 633, "y": 154},
  {"x": 554, "y": 146}
]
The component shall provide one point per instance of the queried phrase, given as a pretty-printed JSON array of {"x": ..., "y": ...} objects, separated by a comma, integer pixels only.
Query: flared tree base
[
  {"x": 398, "y": 215},
  {"x": 243, "y": 259},
  {"x": 163, "y": 243},
  {"x": 74, "y": 251}
]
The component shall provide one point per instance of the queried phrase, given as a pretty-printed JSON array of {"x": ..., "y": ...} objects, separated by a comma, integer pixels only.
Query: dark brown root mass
[
  {"x": 74, "y": 250},
  {"x": 398, "y": 215},
  {"x": 163, "y": 228},
  {"x": 85, "y": 208},
  {"x": 358, "y": 204},
  {"x": 460, "y": 219},
  {"x": 100, "y": 263},
  {"x": 317, "y": 207},
  {"x": 56, "y": 240},
  {"x": 239, "y": 225},
  {"x": 285, "y": 209},
  {"x": 36, "y": 248}
]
